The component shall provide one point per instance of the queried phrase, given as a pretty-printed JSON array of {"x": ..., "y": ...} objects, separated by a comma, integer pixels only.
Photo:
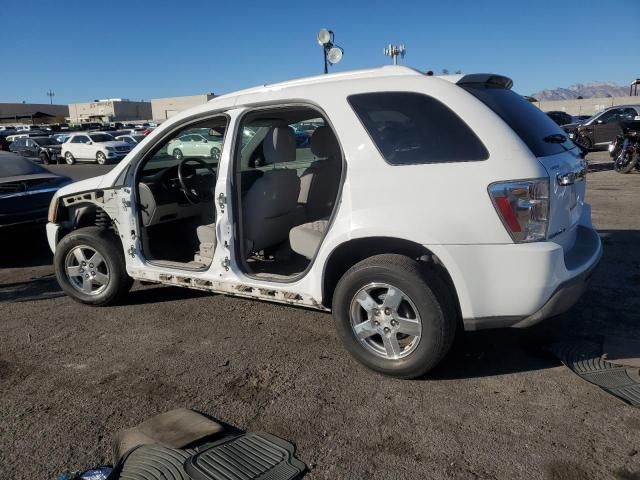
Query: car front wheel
[
  {"x": 90, "y": 266},
  {"x": 394, "y": 316},
  {"x": 101, "y": 158},
  {"x": 68, "y": 158}
]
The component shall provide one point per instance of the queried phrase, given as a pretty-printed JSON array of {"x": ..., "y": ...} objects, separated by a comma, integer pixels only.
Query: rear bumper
[{"x": 520, "y": 284}]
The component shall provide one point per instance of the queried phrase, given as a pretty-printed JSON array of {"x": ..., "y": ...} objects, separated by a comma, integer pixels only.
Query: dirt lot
[{"x": 499, "y": 407}]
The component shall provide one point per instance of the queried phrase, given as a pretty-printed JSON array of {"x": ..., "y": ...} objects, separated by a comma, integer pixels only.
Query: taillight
[{"x": 523, "y": 207}]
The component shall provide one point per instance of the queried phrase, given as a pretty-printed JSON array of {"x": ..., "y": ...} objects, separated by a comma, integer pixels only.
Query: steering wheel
[{"x": 193, "y": 192}]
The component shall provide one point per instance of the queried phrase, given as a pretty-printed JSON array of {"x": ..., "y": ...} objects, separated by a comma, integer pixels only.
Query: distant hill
[{"x": 584, "y": 90}]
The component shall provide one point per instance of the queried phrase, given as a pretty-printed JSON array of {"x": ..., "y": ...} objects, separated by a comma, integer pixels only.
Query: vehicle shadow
[
  {"x": 161, "y": 294},
  {"x": 610, "y": 309},
  {"x": 42, "y": 288},
  {"x": 24, "y": 247}
]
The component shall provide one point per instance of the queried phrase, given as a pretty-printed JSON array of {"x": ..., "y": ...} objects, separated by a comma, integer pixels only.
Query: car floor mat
[
  {"x": 153, "y": 462},
  {"x": 246, "y": 457},
  {"x": 584, "y": 358}
]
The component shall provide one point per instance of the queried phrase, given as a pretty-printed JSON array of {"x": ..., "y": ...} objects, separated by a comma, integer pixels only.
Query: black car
[
  {"x": 47, "y": 149},
  {"x": 599, "y": 131},
  {"x": 561, "y": 118},
  {"x": 26, "y": 190}
]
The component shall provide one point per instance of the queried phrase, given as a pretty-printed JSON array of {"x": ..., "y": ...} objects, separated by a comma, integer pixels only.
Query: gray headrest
[
  {"x": 279, "y": 145},
  {"x": 324, "y": 143}
]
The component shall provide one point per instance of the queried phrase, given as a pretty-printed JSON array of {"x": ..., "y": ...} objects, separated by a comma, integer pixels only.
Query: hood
[{"x": 81, "y": 186}]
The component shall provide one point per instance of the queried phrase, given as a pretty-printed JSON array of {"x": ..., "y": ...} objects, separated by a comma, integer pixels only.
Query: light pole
[
  {"x": 331, "y": 53},
  {"x": 51, "y": 94}
]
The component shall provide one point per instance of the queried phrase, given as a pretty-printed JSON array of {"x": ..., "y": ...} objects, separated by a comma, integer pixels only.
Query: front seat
[
  {"x": 269, "y": 207},
  {"x": 320, "y": 182}
]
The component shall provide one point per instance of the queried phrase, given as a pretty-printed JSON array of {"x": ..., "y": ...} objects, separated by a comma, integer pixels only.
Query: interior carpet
[{"x": 585, "y": 358}]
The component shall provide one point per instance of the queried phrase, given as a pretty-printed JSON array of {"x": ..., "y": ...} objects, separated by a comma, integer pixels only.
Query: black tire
[
  {"x": 69, "y": 159},
  {"x": 106, "y": 243},
  {"x": 44, "y": 158},
  {"x": 177, "y": 154},
  {"x": 101, "y": 158},
  {"x": 430, "y": 297},
  {"x": 584, "y": 142},
  {"x": 215, "y": 154},
  {"x": 625, "y": 162}
]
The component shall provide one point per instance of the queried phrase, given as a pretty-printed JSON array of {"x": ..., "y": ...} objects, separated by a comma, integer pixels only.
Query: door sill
[{"x": 188, "y": 266}]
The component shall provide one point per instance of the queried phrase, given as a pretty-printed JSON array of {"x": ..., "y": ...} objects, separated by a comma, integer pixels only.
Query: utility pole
[
  {"x": 395, "y": 51},
  {"x": 51, "y": 94}
]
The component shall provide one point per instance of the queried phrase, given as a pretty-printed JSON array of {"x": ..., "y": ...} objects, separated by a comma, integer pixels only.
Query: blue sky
[{"x": 147, "y": 49}]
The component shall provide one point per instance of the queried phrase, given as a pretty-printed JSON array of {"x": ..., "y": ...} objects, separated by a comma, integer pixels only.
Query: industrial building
[
  {"x": 163, "y": 108},
  {"x": 32, "y": 113},
  {"x": 585, "y": 106},
  {"x": 109, "y": 110}
]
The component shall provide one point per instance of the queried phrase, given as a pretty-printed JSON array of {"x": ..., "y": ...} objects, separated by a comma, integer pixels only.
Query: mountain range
[{"x": 584, "y": 90}]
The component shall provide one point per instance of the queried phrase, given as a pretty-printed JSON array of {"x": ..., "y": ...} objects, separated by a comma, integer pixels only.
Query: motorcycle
[{"x": 625, "y": 150}]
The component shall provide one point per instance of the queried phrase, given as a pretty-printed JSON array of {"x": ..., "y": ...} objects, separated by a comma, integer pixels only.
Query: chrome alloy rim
[
  {"x": 86, "y": 270},
  {"x": 385, "y": 321}
]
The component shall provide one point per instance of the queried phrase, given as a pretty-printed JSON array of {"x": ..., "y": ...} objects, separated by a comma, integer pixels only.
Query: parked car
[
  {"x": 599, "y": 131},
  {"x": 131, "y": 139},
  {"x": 46, "y": 149},
  {"x": 26, "y": 134},
  {"x": 445, "y": 202},
  {"x": 26, "y": 190},
  {"x": 195, "y": 145},
  {"x": 93, "y": 147},
  {"x": 5, "y": 144},
  {"x": 61, "y": 137},
  {"x": 561, "y": 118}
]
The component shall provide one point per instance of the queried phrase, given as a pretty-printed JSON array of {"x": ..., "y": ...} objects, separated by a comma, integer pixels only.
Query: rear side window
[
  {"x": 541, "y": 134},
  {"x": 412, "y": 128}
]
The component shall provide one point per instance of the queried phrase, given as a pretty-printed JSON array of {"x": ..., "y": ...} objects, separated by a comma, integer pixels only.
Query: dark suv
[
  {"x": 561, "y": 118},
  {"x": 597, "y": 132}
]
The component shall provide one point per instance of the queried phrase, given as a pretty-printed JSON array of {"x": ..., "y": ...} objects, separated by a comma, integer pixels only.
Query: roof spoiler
[{"x": 487, "y": 80}]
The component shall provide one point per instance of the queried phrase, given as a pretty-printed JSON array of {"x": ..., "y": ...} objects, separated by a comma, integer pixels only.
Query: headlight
[{"x": 53, "y": 208}]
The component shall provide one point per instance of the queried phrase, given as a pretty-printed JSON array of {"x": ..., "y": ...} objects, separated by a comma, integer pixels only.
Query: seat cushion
[
  {"x": 305, "y": 239},
  {"x": 206, "y": 233}
]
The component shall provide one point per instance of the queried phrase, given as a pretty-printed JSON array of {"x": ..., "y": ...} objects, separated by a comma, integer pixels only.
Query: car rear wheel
[
  {"x": 101, "y": 158},
  {"x": 584, "y": 142},
  {"x": 90, "y": 266},
  {"x": 177, "y": 154},
  {"x": 215, "y": 153},
  {"x": 68, "y": 158},
  {"x": 394, "y": 316}
]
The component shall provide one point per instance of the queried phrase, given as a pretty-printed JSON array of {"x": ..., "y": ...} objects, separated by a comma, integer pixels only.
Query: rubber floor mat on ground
[{"x": 585, "y": 358}]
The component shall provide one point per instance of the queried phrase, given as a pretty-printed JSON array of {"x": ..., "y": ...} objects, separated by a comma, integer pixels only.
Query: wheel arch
[{"x": 348, "y": 253}]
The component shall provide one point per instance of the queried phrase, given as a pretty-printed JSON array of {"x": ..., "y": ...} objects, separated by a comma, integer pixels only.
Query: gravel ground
[{"x": 498, "y": 407}]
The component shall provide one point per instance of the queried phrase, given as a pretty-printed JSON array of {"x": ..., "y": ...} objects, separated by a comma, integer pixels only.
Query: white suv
[
  {"x": 414, "y": 206},
  {"x": 93, "y": 147}
]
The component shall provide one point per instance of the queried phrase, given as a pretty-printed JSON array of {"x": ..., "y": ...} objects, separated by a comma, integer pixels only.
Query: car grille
[{"x": 122, "y": 149}]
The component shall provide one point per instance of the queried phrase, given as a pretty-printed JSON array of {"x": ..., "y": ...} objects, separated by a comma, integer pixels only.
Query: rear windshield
[{"x": 541, "y": 134}]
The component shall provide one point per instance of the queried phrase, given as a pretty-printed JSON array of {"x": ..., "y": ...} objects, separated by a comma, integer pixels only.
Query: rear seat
[{"x": 305, "y": 239}]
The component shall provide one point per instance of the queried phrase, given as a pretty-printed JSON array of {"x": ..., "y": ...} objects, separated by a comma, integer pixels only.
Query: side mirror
[
  {"x": 89, "y": 143},
  {"x": 205, "y": 141}
]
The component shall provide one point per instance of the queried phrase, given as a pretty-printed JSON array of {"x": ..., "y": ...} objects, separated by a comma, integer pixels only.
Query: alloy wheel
[
  {"x": 385, "y": 321},
  {"x": 87, "y": 270}
]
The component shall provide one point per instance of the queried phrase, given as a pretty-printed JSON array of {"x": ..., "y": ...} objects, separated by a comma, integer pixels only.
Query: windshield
[
  {"x": 541, "y": 134},
  {"x": 101, "y": 137},
  {"x": 16, "y": 166},
  {"x": 45, "y": 141}
]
